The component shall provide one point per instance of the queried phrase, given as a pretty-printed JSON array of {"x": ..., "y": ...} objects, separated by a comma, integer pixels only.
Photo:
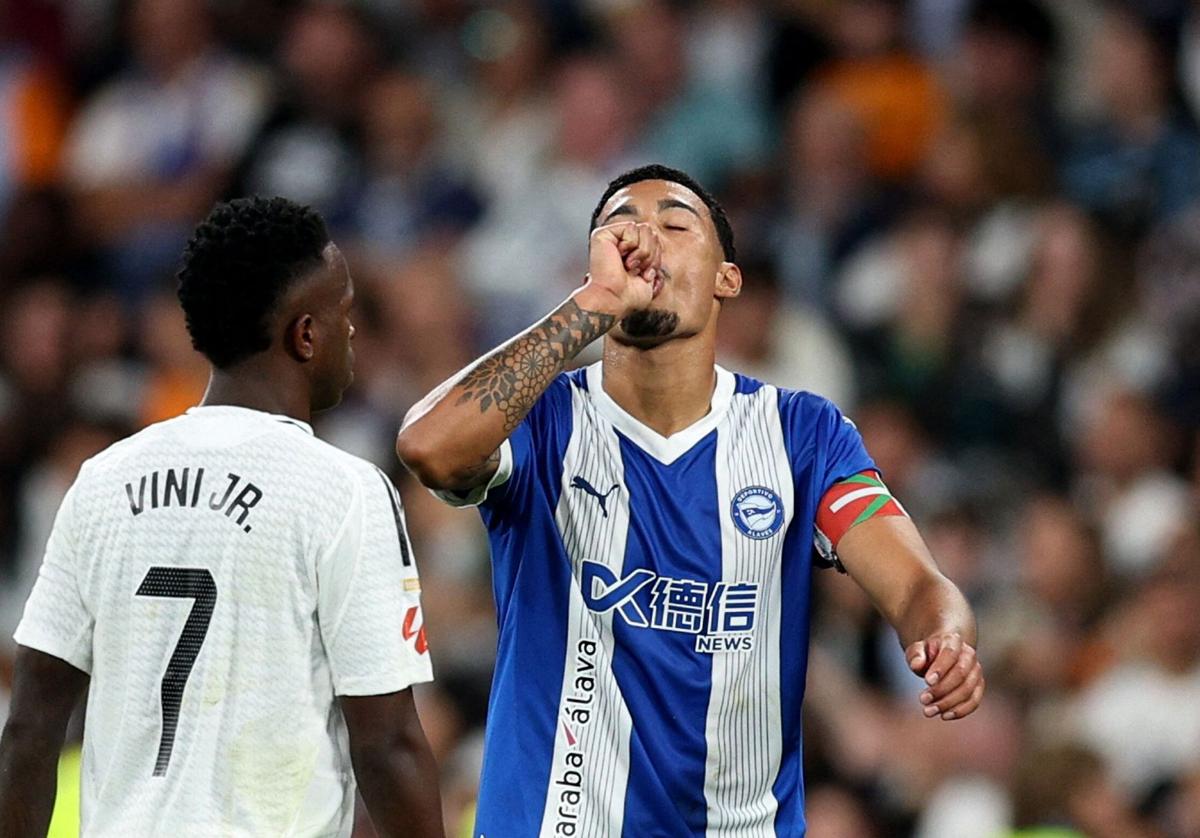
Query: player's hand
[
  {"x": 952, "y": 673},
  {"x": 623, "y": 264}
]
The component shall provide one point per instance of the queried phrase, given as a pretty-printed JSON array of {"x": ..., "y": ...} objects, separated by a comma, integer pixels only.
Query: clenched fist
[
  {"x": 952, "y": 673},
  {"x": 623, "y": 264}
]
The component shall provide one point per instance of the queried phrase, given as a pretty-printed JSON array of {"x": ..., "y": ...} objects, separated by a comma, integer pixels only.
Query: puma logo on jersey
[{"x": 578, "y": 482}]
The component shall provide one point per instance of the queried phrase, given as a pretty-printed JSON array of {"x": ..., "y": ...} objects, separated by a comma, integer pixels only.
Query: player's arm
[
  {"x": 54, "y": 655},
  {"x": 877, "y": 544},
  {"x": 373, "y": 631},
  {"x": 45, "y": 692},
  {"x": 393, "y": 764},
  {"x": 450, "y": 439}
]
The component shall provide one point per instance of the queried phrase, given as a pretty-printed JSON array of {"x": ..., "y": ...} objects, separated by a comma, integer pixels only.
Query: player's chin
[
  {"x": 647, "y": 328},
  {"x": 329, "y": 402},
  {"x": 333, "y": 397},
  {"x": 641, "y": 342}
]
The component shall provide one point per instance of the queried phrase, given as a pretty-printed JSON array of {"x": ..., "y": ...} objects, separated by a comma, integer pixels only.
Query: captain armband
[{"x": 847, "y": 504}]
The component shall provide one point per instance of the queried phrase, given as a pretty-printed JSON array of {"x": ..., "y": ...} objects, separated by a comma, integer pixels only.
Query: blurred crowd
[{"x": 974, "y": 224}]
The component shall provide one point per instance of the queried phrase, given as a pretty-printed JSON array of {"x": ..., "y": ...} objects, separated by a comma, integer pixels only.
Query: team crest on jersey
[{"x": 757, "y": 511}]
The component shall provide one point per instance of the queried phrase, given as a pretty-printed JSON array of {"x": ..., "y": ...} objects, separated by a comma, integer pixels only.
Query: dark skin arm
[
  {"x": 889, "y": 560},
  {"x": 395, "y": 769},
  {"x": 450, "y": 438},
  {"x": 46, "y": 691}
]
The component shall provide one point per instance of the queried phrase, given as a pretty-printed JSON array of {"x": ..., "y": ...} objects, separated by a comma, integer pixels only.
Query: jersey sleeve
[
  {"x": 369, "y": 597},
  {"x": 843, "y": 449},
  {"x": 57, "y": 620},
  {"x": 479, "y": 494},
  {"x": 536, "y": 437},
  {"x": 825, "y": 449}
]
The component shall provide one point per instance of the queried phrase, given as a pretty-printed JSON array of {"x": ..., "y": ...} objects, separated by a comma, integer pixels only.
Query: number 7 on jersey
[{"x": 182, "y": 583}]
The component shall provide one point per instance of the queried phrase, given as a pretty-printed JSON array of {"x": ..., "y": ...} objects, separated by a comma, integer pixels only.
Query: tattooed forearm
[
  {"x": 512, "y": 378},
  {"x": 481, "y": 472}
]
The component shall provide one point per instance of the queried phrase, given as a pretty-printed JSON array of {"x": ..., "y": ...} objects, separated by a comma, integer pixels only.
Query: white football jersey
[{"x": 223, "y": 576}]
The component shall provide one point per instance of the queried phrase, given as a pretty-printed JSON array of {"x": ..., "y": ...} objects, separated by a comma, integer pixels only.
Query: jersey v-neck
[{"x": 665, "y": 449}]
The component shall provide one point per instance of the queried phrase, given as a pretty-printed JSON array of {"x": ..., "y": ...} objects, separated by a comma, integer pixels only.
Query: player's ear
[
  {"x": 300, "y": 341},
  {"x": 729, "y": 281}
]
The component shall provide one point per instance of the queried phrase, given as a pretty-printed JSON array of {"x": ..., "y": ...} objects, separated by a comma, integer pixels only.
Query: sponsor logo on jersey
[
  {"x": 411, "y": 631},
  {"x": 721, "y": 614},
  {"x": 587, "y": 488},
  {"x": 757, "y": 512},
  {"x": 569, "y": 778}
]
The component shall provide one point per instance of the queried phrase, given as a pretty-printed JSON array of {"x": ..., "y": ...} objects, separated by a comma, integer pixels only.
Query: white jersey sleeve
[
  {"x": 369, "y": 596},
  {"x": 476, "y": 496},
  {"x": 56, "y": 620}
]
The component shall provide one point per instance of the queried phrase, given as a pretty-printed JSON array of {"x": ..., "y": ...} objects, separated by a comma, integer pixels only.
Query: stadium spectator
[
  {"x": 681, "y": 118},
  {"x": 309, "y": 145},
  {"x": 1126, "y": 482},
  {"x": 410, "y": 196},
  {"x": 1137, "y": 163},
  {"x": 154, "y": 147},
  {"x": 33, "y": 116},
  {"x": 1002, "y": 77},
  {"x": 899, "y": 99},
  {"x": 829, "y": 200},
  {"x": 1159, "y": 631}
]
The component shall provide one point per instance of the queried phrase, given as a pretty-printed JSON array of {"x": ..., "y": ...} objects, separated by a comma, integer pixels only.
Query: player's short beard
[{"x": 650, "y": 323}]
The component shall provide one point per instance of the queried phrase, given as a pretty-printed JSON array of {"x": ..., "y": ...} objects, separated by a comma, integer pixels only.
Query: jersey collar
[
  {"x": 665, "y": 449},
  {"x": 246, "y": 413}
]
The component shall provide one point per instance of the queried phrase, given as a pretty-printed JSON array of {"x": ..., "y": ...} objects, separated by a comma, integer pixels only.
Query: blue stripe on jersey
[
  {"x": 665, "y": 682},
  {"x": 822, "y": 447},
  {"x": 745, "y": 385},
  {"x": 532, "y": 582}
]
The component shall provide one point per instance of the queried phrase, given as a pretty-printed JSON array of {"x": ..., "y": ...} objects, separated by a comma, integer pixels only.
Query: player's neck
[
  {"x": 257, "y": 389},
  {"x": 667, "y": 388}
]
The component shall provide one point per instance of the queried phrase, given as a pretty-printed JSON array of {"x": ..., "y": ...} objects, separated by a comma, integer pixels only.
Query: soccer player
[
  {"x": 652, "y": 520},
  {"x": 220, "y": 578}
]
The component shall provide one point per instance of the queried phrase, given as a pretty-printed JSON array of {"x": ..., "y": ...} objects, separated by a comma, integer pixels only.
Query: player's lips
[{"x": 660, "y": 276}]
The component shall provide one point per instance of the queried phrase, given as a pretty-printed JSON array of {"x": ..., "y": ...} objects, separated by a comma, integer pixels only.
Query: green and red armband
[{"x": 847, "y": 504}]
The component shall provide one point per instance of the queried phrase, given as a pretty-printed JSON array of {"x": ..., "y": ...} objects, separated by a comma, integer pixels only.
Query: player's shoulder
[
  {"x": 337, "y": 463},
  {"x": 800, "y": 411},
  {"x": 358, "y": 469},
  {"x": 802, "y": 403},
  {"x": 805, "y": 403},
  {"x": 123, "y": 449},
  {"x": 336, "y": 481},
  {"x": 565, "y": 382}
]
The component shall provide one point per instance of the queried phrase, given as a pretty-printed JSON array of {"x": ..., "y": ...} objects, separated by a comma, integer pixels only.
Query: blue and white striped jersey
[{"x": 653, "y": 600}]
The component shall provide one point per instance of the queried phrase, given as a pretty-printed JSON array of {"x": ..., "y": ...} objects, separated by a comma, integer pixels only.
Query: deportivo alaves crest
[{"x": 757, "y": 511}]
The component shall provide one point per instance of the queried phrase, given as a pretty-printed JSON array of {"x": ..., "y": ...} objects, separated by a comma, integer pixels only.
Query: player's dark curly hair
[
  {"x": 656, "y": 171},
  {"x": 235, "y": 268}
]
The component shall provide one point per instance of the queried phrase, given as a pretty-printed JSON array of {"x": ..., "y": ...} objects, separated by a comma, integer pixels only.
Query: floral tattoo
[{"x": 514, "y": 376}]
